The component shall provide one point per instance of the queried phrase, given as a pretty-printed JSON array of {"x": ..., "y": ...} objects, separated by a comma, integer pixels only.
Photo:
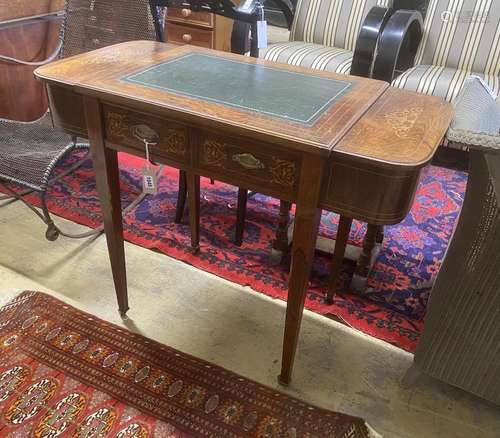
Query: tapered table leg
[
  {"x": 193, "y": 189},
  {"x": 360, "y": 277},
  {"x": 307, "y": 217},
  {"x": 380, "y": 235},
  {"x": 181, "y": 197},
  {"x": 280, "y": 244},
  {"x": 338, "y": 256},
  {"x": 108, "y": 185},
  {"x": 241, "y": 216}
]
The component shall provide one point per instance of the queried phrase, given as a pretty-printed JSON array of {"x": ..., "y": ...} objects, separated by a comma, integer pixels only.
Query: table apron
[{"x": 362, "y": 190}]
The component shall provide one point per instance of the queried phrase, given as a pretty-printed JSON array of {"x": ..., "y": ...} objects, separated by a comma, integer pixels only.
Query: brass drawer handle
[
  {"x": 248, "y": 161},
  {"x": 145, "y": 134},
  {"x": 187, "y": 38},
  {"x": 186, "y": 12}
]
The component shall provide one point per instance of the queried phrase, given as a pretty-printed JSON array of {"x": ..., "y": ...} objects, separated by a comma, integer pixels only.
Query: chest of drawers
[{"x": 202, "y": 29}]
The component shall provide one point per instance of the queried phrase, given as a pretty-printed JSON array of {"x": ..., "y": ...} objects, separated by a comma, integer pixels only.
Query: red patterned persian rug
[
  {"x": 399, "y": 283},
  {"x": 65, "y": 373}
]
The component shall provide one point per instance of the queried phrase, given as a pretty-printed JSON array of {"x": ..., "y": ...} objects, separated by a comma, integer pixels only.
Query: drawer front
[
  {"x": 259, "y": 163},
  {"x": 187, "y": 16},
  {"x": 177, "y": 33},
  {"x": 127, "y": 128}
]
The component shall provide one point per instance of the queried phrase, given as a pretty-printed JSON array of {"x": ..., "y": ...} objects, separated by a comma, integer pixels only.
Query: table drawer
[
  {"x": 261, "y": 164},
  {"x": 177, "y": 33},
  {"x": 126, "y": 128},
  {"x": 187, "y": 16}
]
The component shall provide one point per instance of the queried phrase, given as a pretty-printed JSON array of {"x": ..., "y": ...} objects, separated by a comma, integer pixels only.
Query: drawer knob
[
  {"x": 186, "y": 12},
  {"x": 248, "y": 161},
  {"x": 145, "y": 134},
  {"x": 187, "y": 38}
]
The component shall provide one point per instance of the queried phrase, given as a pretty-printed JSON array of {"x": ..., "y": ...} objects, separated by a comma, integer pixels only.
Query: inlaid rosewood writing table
[{"x": 324, "y": 141}]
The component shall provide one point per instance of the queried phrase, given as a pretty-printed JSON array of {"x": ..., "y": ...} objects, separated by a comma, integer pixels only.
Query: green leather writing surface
[{"x": 266, "y": 90}]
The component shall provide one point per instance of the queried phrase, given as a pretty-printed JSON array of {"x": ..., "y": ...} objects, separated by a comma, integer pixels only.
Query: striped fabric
[
  {"x": 461, "y": 37},
  {"x": 334, "y": 23},
  {"x": 324, "y": 34},
  {"x": 440, "y": 81},
  {"x": 311, "y": 55}
]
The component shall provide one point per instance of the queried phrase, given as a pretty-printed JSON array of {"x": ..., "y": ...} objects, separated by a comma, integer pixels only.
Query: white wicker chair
[{"x": 460, "y": 341}]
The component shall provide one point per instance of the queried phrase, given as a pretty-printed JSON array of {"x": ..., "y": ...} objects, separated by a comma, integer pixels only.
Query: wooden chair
[
  {"x": 339, "y": 37},
  {"x": 243, "y": 40},
  {"x": 334, "y": 36}
]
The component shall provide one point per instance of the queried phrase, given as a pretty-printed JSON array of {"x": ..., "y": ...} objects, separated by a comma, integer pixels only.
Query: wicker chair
[
  {"x": 29, "y": 152},
  {"x": 460, "y": 341}
]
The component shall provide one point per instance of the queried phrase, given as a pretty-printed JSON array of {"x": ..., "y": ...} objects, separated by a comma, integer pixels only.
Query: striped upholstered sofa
[
  {"x": 460, "y": 38},
  {"x": 324, "y": 34}
]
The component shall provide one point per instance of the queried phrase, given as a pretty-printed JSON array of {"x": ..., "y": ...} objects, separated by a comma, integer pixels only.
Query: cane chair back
[
  {"x": 92, "y": 24},
  {"x": 29, "y": 152}
]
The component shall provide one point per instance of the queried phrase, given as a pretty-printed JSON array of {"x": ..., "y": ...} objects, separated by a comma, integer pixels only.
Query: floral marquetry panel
[
  {"x": 65, "y": 373},
  {"x": 213, "y": 153},
  {"x": 257, "y": 161},
  {"x": 164, "y": 138},
  {"x": 400, "y": 130}
]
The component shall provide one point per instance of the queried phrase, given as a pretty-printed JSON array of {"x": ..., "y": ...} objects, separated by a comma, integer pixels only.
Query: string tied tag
[
  {"x": 149, "y": 175},
  {"x": 261, "y": 28}
]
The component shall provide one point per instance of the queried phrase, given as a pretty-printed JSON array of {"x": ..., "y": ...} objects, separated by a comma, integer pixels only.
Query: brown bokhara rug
[{"x": 65, "y": 373}]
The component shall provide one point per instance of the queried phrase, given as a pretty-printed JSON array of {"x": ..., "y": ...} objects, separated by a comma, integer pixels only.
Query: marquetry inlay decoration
[
  {"x": 171, "y": 140},
  {"x": 214, "y": 153},
  {"x": 283, "y": 172},
  {"x": 117, "y": 125},
  {"x": 174, "y": 141},
  {"x": 402, "y": 122}
]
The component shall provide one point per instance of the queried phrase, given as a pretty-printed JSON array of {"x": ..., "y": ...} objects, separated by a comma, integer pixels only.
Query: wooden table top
[{"x": 308, "y": 110}]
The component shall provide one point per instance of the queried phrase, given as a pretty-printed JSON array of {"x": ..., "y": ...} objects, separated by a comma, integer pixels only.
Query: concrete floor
[{"x": 198, "y": 313}]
